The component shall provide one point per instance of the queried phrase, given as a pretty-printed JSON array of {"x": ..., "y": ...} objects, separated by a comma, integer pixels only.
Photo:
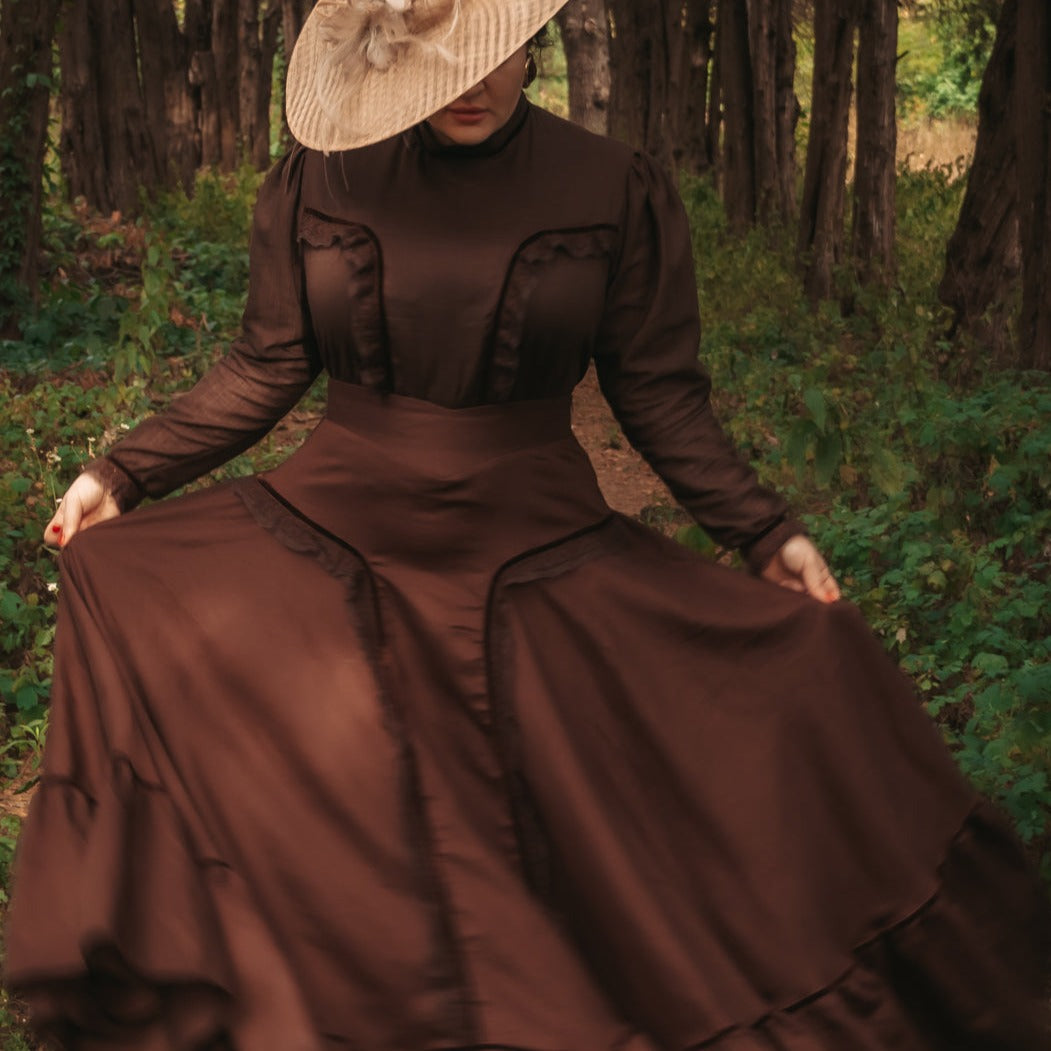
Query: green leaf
[
  {"x": 888, "y": 472},
  {"x": 991, "y": 665},
  {"x": 696, "y": 539},
  {"x": 815, "y": 403},
  {"x": 828, "y": 456},
  {"x": 26, "y": 698},
  {"x": 1034, "y": 684},
  {"x": 800, "y": 438}
]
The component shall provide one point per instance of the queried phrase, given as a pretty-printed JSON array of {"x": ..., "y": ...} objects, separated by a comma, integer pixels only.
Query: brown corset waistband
[{"x": 489, "y": 430}]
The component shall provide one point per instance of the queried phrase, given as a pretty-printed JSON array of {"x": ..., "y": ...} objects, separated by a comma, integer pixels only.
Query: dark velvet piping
[
  {"x": 550, "y": 559},
  {"x": 295, "y": 531}
]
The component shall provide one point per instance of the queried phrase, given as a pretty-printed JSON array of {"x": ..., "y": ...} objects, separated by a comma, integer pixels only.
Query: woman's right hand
[{"x": 86, "y": 503}]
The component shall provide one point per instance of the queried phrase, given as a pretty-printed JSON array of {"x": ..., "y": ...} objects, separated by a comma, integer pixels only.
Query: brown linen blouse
[{"x": 467, "y": 276}]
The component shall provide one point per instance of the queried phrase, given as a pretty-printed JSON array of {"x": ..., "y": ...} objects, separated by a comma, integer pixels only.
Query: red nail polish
[{"x": 56, "y": 529}]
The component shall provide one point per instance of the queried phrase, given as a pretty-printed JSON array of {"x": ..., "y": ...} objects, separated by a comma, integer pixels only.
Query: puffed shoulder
[{"x": 277, "y": 202}]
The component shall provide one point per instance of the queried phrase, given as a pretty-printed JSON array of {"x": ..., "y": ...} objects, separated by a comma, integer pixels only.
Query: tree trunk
[
  {"x": 257, "y": 38},
  {"x": 875, "y": 163},
  {"x": 739, "y": 133},
  {"x": 27, "y": 29},
  {"x": 171, "y": 108},
  {"x": 714, "y": 127},
  {"x": 821, "y": 212},
  {"x": 698, "y": 154},
  {"x": 638, "y": 86},
  {"x": 107, "y": 144},
  {"x": 772, "y": 67},
  {"x": 786, "y": 110},
  {"x": 756, "y": 71},
  {"x": 650, "y": 62},
  {"x": 1032, "y": 105},
  {"x": 222, "y": 82},
  {"x": 983, "y": 256},
  {"x": 205, "y": 79},
  {"x": 585, "y": 38}
]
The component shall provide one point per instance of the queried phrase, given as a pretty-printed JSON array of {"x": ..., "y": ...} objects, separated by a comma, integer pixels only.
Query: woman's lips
[{"x": 467, "y": 115}]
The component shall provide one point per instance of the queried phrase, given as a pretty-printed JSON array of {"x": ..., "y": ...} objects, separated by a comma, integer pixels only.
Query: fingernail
[{"x": 56, "y": 529}]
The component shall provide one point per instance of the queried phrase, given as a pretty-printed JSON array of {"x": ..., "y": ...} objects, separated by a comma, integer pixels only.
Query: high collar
[{"x": 423, "y": 135}]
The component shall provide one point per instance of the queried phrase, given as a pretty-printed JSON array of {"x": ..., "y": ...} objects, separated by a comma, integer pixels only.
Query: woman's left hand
[{"x": 798, "y": 565}]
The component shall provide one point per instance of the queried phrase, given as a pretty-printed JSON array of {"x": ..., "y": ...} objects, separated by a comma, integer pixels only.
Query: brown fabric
[
  {"x": 411, "y": 745},
  {"x": 472, "y": 275}
]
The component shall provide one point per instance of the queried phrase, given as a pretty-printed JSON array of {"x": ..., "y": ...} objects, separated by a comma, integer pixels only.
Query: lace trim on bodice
[
  {"x": 360, "y": 252},
  {"x": 523, "y": 275}
]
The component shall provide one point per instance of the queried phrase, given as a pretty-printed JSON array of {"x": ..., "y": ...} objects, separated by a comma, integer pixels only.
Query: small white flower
[{"x": 52, "y": 587}]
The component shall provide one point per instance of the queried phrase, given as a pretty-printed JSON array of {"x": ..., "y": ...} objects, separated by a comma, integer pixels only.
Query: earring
[{"x": 530, "y": 71}]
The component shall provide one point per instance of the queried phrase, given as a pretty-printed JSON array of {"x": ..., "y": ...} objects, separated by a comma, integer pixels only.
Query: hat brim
[{"x": 422, "y": 79}]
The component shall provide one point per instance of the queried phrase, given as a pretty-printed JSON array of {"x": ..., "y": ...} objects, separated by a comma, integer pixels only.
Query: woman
[{"x": 410, "y": 743}]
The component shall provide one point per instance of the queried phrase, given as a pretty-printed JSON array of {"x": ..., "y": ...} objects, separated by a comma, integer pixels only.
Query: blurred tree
[
  {"x": 983, "y": 258},
  {"x": 107, "y": 145},
  {"x": 875, "y": 155},
  {"x": 258, "y": 31},
  {"x": 1032, "y": 106},
  {"x": 756, "y": 61},
  {"x": 585, "y": 38},
  {"x": 147, "y": 97},
  {"x": 820, "y": 240},
  {"x": 659, "y": 58},
  {"x": 27, "y": 29}
]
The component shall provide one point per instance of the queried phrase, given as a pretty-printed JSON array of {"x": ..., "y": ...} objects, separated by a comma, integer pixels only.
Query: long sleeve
[
  {"x": 266, "y": 371},
  {"x": 648, "y": 370}
]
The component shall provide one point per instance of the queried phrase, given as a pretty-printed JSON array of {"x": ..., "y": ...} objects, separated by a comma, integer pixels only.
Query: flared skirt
[{"x": 412, "y": 745}]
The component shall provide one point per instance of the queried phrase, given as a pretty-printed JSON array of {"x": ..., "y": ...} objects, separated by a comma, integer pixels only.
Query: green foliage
[
  {"x": 944, "y": 80},
  {"x": 924, "y": 472}
]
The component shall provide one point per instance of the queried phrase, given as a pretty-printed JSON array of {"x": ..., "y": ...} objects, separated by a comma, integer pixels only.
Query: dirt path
[{"x": 627, "y": 483}]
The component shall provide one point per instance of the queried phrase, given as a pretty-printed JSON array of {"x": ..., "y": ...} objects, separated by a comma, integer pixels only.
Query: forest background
[{"x": 868, "y": 186}]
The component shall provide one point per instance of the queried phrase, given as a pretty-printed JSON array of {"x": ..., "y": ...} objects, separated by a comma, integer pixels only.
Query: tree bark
[
  {"x": 1032, "y": 106},
  {"x": 222, "y": 71},
  {"x": 738, "y": 101},
  {"x": 638, "y": 83},
  {"x": 772, "y": 69},
  {"x": 820, "y": 240},
  {"x": 698, "y": 152},
  {"x": 107, "y": 145},
  {"x": 585, "y": 38},
  {"x": 875, "y": 162},
  {"x": 171, "y": 109},
  {"x": 257, "y": 35},
  {"x": 786, "y": 109},
  {"x": 714, "y": 125},
  {"x": 653, "y": 75},
  {"x": 27, "y": 29},
  {"x": 983, "y": 257}
]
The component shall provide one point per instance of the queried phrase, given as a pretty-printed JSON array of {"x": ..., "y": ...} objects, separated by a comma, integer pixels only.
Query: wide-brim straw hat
[{"x": 364, "y": 70}]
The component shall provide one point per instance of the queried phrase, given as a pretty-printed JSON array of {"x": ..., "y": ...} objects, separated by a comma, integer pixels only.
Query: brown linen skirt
[{"x": 412, "y": 744}]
